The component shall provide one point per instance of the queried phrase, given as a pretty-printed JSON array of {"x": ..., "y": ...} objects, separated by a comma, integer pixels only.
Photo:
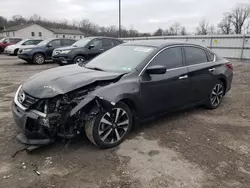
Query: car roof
[
  {"x": 101, "y": 37},
  {"x": 156, "y": 43}
]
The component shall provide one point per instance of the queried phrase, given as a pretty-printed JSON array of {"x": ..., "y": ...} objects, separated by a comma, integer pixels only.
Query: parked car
[
  {"x": 4, "y": 42},
  {"x": 84, "y": 50},
  {"x": 43, "y": 51},
  {"x": 13, "y": 49},
  {"x": 129, "y": 83}
]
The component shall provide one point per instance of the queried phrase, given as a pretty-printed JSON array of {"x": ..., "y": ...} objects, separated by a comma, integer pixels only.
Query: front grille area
[{"x": 25, "y": 99}]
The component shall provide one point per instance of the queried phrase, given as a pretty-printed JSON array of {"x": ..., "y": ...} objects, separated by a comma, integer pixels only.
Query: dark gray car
[
  {"x": 129, "y": 83},
  {"x": 84, "y": 50}
]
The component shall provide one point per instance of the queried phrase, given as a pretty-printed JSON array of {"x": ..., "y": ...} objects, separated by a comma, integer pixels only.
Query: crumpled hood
[{"x": 62, "y": 80}]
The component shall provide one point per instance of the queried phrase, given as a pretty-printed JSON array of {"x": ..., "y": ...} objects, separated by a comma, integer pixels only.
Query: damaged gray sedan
[{"x": 105, "y": 97}]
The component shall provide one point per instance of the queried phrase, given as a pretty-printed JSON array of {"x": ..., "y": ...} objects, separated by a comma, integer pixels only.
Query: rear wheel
[
  {"x": 39, "y": 59},
  {"x": 109, "y": 129},
  {"x": 79, "y": 59},
  {"x": 216, "y": 96}
]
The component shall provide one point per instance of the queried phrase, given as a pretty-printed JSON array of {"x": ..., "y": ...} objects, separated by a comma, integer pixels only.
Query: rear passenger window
[
  {"x": 210, "y": 56},
  {"x": 116, "y": 42},
  {"x": 67, "y": 42},
  {"x": 170, "y": 58},
  {"x": 195, "y": 55},
  {"x": 107, "y": 43}
]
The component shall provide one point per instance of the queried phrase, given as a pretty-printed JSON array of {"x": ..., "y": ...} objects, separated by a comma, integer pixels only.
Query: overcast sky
[{"x": 143, "y": 15}]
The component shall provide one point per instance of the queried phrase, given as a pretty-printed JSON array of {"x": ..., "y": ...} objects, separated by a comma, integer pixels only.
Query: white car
[{"x": 13, "y": 49}]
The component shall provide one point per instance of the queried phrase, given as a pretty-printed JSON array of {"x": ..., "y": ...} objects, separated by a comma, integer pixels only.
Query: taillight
[{"x": 230, "y": 66}]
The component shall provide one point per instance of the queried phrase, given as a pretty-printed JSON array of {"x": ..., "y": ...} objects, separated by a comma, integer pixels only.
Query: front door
[
  {"x": 96, "y": 49},
  {"x": 165, "y": 92}
]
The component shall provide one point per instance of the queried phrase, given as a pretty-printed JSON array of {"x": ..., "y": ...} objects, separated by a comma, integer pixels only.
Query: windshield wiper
[
  {"x": 95, "y": 68},
  {"x": 74, "y": 45}
]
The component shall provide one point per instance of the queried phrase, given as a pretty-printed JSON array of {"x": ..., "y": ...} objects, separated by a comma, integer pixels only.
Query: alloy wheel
[
  {"x": 79, "y": 60},
  {"x": 39, "y": 59},
  {"x": 113, "y": 126},
  {"x": 217, "y": 94}
]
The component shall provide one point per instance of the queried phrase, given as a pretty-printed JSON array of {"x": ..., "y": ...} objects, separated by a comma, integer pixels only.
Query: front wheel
[
  {"x": 39, "y": 59},
  {"x": 79, "y": 59},
  {"x": 216, "y": 96},
  {"x": 109, "y": 129}
]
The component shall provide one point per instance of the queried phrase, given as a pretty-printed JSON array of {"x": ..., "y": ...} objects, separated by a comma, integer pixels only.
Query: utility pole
[{"x": 120, "y": 33}]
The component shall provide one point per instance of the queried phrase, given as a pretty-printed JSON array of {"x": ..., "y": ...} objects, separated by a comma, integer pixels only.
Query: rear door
[
  {"x": 107, "y": 44},
  {"x": 200, "y": 72},
  {"x": 165, "y": 92}
]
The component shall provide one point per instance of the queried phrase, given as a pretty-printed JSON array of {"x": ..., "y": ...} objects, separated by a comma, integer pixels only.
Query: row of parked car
[{"x": 62, "y": 51}]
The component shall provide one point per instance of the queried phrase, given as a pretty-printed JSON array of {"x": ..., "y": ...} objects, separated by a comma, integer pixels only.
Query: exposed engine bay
[{"x": 60, "y": 116}]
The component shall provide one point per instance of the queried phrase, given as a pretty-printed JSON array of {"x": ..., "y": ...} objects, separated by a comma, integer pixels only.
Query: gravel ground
[{"x": 194, "y": 148}]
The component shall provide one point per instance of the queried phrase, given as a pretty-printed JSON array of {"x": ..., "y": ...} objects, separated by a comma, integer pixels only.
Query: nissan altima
[{"x": 132, "y": 82}]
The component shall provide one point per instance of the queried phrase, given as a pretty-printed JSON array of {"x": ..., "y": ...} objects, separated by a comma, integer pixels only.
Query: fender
[{"x": 109, "y": 95}]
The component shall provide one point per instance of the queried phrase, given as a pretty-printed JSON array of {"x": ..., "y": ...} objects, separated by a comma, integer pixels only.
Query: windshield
[
  {"x": 81, "y": 43},
  {"x": 22, "y": 41},
  {"x": 43, "y": 43},
  {"x": 120, "y": 58}
]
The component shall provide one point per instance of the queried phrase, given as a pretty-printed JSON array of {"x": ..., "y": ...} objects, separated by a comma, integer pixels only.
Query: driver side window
[
  {"x": 97, "y": 44},
  {"x": 170, "y": 58}
]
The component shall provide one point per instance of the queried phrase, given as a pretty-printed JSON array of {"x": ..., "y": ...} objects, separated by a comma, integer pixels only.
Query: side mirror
[
  {"x": 91, "y": 46},
  {"x": 49, "y": 45},
  {"x": 23, "y": 44},
  {"x": 4, "y": 42},
  {"x": 156, "y": 69}
]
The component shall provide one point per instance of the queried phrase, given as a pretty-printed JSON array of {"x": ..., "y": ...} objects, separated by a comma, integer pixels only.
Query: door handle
[
  {"x": 211, "y": 70},
  {"x": 183, "y": 77},
  {"x": 101, "y": 49}
]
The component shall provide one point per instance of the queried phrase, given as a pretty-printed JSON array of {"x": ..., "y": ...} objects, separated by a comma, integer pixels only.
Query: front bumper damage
[{"x": 35, "y": 126}]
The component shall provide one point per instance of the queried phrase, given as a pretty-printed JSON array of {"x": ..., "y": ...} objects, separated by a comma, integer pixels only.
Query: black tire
[
  {"x": 39, "y": 59},
  {"x": 15, "y": 52},
  {"x": 79, "y": 59},
  {"x": 92, "y": 127},
  {"x": 60, "y": 63},
  {"x": 216, "y": 96}
]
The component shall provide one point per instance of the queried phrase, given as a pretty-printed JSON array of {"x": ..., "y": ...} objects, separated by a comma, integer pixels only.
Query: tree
[
  {"x": 202, "y": 29},
  {"x": 35, "y": 18},
  {"x": 183, "y": 30},
  {"x": 3, "y": 23},
  {"x": 211, "y": 30},
  {"x": 225, "y": 24},
  {"x": 159, "y": 32},
  {"x": 239, "y": 15},
  {"x": 176, "y": 28}
]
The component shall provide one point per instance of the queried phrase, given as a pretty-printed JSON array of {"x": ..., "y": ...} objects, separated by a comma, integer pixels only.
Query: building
[{"x": 37, "y": 31}]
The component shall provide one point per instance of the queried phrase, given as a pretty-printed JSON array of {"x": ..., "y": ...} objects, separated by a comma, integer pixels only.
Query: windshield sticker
[{"x": 143, "y": 49}]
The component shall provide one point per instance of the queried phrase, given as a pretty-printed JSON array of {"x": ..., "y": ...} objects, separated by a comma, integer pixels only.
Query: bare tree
[
  {"x": 211, "y": 30},
  {"x": 176, "y": 28},
  {"x": 171, "y": 31},
  {"x": 183, "y": 30},
  {"x": 225, "y": 24},
  {"x": 159, "y": 32},
  {"x": 202, "y": 29},
  {"x": 35, "y": 18},
  {"x": 239, "y": 15}
]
